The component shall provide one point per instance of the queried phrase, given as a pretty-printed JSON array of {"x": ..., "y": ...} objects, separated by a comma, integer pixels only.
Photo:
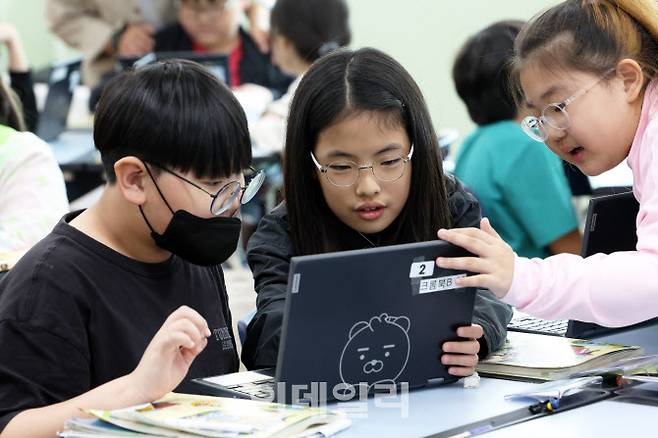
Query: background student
[
  {"x": 125, "y": 300},
  {"x": 105, "y": 30},
  {"x": 31, "y": 183},
  {"x": 213, "y": 26},
  {"x": 301, "y": 31},
  {"x": 587, "y": 72},
  {"x": 20, "y": 74},
  {"x": 520, "y": 184},
  {"x": 352, "y": 109}
]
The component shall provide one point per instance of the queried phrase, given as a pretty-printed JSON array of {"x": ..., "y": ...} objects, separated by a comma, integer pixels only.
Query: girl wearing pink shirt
[{"x": 586, "y": 71}]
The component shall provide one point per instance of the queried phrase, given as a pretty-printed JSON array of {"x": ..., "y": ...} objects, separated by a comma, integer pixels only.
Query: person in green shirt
[{"x": 520, "y": 184}]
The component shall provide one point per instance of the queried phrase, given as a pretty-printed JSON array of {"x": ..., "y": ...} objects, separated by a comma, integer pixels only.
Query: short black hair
[
  {"x": 313, "y": 26},
  {"x": 175, "y": 113},
  {"x": 340, "y": 85},
  {"x": 482, "y": 73}
]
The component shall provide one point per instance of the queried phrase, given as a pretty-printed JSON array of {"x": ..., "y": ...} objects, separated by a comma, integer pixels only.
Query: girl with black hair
[{"x": 361, "y": 169}]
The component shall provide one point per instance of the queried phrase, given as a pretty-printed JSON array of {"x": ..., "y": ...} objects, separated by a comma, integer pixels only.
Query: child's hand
[
  {"x": 495, "y": 261},
  {"x": 10, "y": 38},
  {"x": 462, "y": 356},
  {"x": 170, "y": 353},
  {"x": 8, "y": 34},
  {"x": 136, "y": 40}
]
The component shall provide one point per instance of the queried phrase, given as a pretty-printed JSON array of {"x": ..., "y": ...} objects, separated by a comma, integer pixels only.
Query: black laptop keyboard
[
  {"x": 259, "y": 389},
  {"x": 530, "y": 324}
]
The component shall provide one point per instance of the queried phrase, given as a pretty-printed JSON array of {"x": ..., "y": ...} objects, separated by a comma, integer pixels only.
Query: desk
[
  {"x": 75, "y": 148},
  {"x": 620, "y": 176},
  {"x": 433, "y": 410}
]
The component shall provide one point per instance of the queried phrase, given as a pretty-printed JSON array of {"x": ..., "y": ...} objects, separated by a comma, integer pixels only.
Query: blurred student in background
[
  {"x": 521, "y": 185},
  {"x": 20, "y": 74},
  {"x": 301, "y": 31},
  {"x": 105, "y": 30},
  {"x": 213, "y": 27},
  {"x": 33, "y": 195}
]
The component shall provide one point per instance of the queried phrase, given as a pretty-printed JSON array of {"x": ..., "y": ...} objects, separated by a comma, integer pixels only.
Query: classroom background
[{"x": 423, "y": 35}]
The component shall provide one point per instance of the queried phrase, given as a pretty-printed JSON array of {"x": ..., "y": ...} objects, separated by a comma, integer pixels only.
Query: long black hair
[
  {"x": 175, "y": 113},
  {"x": 340, "y": 85}
]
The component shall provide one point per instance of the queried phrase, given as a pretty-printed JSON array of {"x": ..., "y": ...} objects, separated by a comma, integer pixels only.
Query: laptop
[
  {"x": 63, "y": 80},
  {"x": 610, "y": 227},
  {"x": 217, "y": 64},
  {"x": 358, "y": 322}
]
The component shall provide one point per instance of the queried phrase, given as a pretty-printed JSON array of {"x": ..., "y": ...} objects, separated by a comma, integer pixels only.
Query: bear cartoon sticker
[{"x": 376, "y": 352}]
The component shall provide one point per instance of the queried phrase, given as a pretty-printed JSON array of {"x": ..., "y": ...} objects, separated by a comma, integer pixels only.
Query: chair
[{"x": 243, "y": 323}]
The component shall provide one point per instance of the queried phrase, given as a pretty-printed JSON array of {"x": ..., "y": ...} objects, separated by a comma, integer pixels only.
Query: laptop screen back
[
  {"x": 610, "y": 227},
  {"x": 63, "y": 80},
  {"x": 611, "y": 224},
  {"x": 215, "y": 63},
  {"x": 357, "y": 319}
]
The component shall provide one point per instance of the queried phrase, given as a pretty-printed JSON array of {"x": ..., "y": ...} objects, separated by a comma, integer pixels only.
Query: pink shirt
[{"x": 616, "y": 289}]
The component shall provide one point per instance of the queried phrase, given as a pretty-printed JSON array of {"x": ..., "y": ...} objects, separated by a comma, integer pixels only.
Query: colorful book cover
[
  {"x": 218, "y": 417},
  {"x": 543, "y": 357}
]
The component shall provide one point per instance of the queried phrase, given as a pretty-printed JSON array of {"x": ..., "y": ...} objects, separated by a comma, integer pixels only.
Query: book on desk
[
  {"x": 528, "y": 356},
  {"x": 186, "y": 415}
]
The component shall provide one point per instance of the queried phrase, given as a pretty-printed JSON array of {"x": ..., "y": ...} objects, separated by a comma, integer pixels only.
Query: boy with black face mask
[{"x": 126, "y": 301}]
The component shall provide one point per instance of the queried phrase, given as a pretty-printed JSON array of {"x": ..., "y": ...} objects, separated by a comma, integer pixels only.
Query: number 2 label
[{"x": 421, "y": 269}]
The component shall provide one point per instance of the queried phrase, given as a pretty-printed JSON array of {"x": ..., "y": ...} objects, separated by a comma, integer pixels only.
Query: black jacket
[
  {"x": 269, "y": 253},
  {"x": 255, "y": 66}
]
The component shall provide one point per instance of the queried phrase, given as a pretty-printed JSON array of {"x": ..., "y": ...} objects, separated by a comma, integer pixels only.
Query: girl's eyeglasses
[
  {"x": 344, "y": 173},
  {"x": 554, "y": 115}
]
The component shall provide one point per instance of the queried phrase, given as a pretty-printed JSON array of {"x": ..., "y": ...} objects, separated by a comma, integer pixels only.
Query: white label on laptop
[
  {"x": 422, "y": 269},
  {"x": 295, "y": 283},
  {"x": 439, "y": 284}
]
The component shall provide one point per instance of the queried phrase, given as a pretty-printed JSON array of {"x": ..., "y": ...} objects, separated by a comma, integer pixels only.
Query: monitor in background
[
  {"x": 63, "y": 79},
  {"x": 215, "y": 63},
  {"x": 356, "y": 320}
]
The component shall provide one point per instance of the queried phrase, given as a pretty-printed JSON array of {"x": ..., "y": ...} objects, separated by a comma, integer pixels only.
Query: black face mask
[{"x": 200, "y": 241}]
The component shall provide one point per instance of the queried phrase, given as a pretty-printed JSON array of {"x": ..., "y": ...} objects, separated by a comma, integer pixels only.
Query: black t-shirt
[{"x": 75, "y": 314}]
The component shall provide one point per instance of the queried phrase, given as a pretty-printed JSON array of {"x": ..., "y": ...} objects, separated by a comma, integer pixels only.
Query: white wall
[
  {"x": 28, "y": 16},
  {"x": 424, "y": 35}
]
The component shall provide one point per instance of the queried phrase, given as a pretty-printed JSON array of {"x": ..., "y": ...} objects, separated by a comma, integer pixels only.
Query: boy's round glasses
[
  {"x": 554, "y": 115},
  {"x": 344, "y": 173},
  {"x": 228, "y": 193}
]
